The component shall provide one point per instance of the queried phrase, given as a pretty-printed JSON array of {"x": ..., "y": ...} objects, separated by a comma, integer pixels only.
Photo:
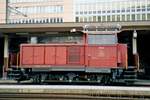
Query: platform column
[
  {"x": 135, "y": 53},
  {"x": 134, "y": 42},
  {"x": 6, "y": 56}
]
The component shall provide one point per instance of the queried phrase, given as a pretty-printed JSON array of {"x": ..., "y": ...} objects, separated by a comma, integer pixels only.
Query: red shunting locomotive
[{"x": 95, "y": 56}]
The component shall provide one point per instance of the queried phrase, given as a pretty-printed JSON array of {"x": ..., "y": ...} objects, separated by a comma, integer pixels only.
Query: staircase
[
  {"x": 130, "y": 74},
  {"x": 14, "y": 73}
]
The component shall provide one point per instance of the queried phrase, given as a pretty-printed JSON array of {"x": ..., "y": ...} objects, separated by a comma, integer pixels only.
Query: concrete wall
[
  {"x": 2, "y": 11},
  {"x": 68, "y": 11}
]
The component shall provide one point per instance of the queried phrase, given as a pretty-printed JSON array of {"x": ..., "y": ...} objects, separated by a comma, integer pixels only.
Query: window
[
  {"x": 128, "y": 10},
  {"x": 57, "y": 20},
  {"x": 61, "y": 20},
  {"x": 118, "y": 17},
  {"x": 143, "y": 8},
  {"x": 133, "y": 8},
  {"x": 128, "y": 17},
  {"x": 99, "y": 18},
  {"x": 90, "y": 19},
  {"x": 102, "y": 39},
  {"x": 138, "y": 10},
  {"x": 85, "y": 19},
  {"x": 81, "y": 12},
  {"x": 123, "y": 18},
  {"x": 148, "y": 16},
  {"x": 94, "y": 12},
  {"x": 143, "y": 17},
  {"x": 113, "y": 18},
  {"x": 138, "y": 17},
  {"x": 41, "y": 9},
  {"x": 148, "y": 7},
  {"x": 113, "y": 11},
  {"x": 133, "y": 17},
  {"x": 54, "y": 20},
  {"x": 123, "y": 10},
  {"x": 61, "y": 39},
  {"x": 77, "y": 19},
  {"x": 77, "y": 13},
  {"x": 99, "y": 12},
  {"x": 118, "y": 11},
  {"x": 94, "y": 18},
  {"x": 90, "y": 12},
  {"x": 108, "y": 18},
  {"x": 103, "y": 18},
  {"x": 81, "y": 19},
  {"x": 20, "y": 1},
  {"x": 103, "y": 12},
  {"x": 85, "y": 12},
  {"x": 108, "y": 11}
]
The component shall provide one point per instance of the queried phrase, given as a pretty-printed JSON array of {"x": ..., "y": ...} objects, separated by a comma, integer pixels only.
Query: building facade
[
  {"x": 2, "y": 11},
  {"x": 59, "y": 11},
  {"x": 112, "y": 10},
  {"x": 39, "y": 11}
]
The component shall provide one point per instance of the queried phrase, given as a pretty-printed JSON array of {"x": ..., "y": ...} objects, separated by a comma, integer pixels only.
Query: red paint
[
  {"x": 49, "y": 55},
  {"x": 27, "y": 55},
  {"x": 38, "y": 57},
  {"x": 102, "y": 56},
  {"x": 95, "y": 56},
  {"x": 123, "y": 60},
  {"x": 60, "y": 55}
]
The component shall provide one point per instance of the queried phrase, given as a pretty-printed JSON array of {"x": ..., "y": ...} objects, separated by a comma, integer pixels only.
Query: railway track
[{"x": 63, "y": 97}]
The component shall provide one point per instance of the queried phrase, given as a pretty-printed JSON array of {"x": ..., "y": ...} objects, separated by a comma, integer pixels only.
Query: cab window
[{"x": 102, "y": 39}]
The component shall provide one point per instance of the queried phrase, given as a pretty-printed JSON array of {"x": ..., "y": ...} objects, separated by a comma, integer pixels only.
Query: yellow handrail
[{"x": 17, "y": 60}]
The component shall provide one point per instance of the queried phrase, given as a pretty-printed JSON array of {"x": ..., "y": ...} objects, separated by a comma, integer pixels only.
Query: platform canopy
[{"x": 61, "y": 27}]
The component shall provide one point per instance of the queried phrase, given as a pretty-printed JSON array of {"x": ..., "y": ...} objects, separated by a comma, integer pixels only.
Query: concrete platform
[
  {"x": 142, "y": 83},
  {"x": 76, "y": 90},
  {"x": 6, "y": 81}
]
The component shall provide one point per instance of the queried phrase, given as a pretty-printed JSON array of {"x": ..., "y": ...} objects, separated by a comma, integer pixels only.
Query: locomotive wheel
[
  {"x": 37, "y": 79},
  {"x": 99, "y": 78},
  {"x": 106, "y": 80},
  {"x": 71, "y": 76}
]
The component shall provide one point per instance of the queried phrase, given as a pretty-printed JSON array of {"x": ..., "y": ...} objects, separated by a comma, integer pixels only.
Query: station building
[
  {"x": 112, "y": 10},
  {"x": 59, "y": 11}
]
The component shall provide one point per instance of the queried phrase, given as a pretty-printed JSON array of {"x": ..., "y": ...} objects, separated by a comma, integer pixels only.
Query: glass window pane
[
  {"x": 108, "y": 18},
  {"x": 138, "y": 17},
  {"x": 123, "y": 17},
  {"x": 90, "y": 19},
  {"x": 128, "y": 17},
  {"x": 99, "y": 18},
  {"x": 103, "y": 18},
  {"x": 81, "y": 19},
  {"x": 133, "y": 17},
  {"x": 118, "y": 17},
  {"x": 113, "y": 17},
  {"x": 102, "y": 39},
  {"x": 143, "y": 17},
  {"x": 85, "y": 19},
  {"x": 94, "y": 18},
  {"x": 148, "y": 16},
  {"x": 77, "y": 19}
]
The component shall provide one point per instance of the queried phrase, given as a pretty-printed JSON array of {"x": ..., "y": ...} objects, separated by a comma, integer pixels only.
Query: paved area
[{"x": 77, "y": 90}]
